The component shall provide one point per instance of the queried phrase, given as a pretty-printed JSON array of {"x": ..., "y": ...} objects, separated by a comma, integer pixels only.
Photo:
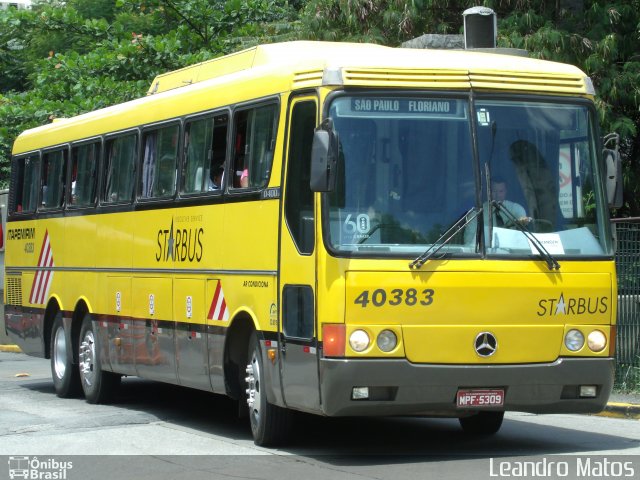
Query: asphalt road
[{"x": 160, "y": 431}]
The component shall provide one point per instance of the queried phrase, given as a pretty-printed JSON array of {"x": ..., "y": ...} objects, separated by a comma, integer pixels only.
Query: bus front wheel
[
  {"x": 482, "y": 423},
  {"x": 65, "y": 377},
  {"x": 98, "y": 385},
  {"x": 270, "y": 424}
]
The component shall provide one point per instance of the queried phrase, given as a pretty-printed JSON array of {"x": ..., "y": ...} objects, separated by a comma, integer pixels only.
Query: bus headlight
[
  {"x": 359, "y": 340},
  {"x": 574, "y": 340},
  {"x": 596, "y": 341},
  {"x": 387, "y": 340}
]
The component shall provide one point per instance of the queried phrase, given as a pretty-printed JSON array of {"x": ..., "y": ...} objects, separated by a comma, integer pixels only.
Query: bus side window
[
  {"x": 298, "y": 311},
  {"x": 121, "y": 154},
  {"x": 197, "y": 141},
  {"x": 205, "y": 147},
  {"x": 255, "y": 136},
  {"x": 26, "y": 173},
  {"x": 218, "y": 152},
  {"x": 298, "y": 203},
  {"x": 159, "y": 162},
  {"x": 84, "y": 165},
  {"x": 53, "y": 178}
]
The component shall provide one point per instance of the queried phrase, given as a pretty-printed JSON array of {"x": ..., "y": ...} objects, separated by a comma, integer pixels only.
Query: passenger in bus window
[
  {"x": 244, "y": 178},
  {"x": 241, "y": 177},
  {"x": 539, "y": 184},
  {"x": 215, "y": 183}
]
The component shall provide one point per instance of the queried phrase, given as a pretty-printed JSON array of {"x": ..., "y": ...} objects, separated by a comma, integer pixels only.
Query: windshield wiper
[
  {"x": 446, "y": 237},
  {"x": 552, "y": 263}
]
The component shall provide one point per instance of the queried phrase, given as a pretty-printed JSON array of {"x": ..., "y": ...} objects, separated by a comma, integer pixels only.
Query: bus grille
[
  {"x": 14, "y": 290},
  {"x": 407, "y": 78},
  {"x": 454, "y": 79},
  {"x": 528, "y": 81},
  {"x": 311, "y": 78}
]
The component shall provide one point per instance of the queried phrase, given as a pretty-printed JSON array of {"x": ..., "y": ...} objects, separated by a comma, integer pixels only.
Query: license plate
[{"x": 480, "y": 398}]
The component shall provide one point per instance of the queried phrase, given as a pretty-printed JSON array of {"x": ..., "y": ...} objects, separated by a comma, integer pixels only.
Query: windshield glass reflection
[{"x": 406, "y": 175}]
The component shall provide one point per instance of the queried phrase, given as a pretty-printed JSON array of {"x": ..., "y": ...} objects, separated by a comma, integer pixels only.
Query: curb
[
  {"x": 621, "y": 410},
  {"x": 10, "y": 348}
]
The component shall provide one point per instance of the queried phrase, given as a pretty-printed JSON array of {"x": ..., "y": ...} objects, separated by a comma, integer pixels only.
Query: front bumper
[{"x": 404, "y": 388}]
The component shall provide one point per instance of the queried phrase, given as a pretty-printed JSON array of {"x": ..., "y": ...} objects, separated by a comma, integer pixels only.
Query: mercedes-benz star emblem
[{"x": 486, "y": 344}]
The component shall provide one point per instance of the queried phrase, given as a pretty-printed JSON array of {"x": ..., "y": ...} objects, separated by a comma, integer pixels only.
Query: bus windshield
[{"x": 410, "y": 167}]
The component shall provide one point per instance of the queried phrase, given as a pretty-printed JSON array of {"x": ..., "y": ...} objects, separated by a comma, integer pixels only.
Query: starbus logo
[
  {"x": 179, "y": 244},
  {"x": 572, "y": 306},
  {"x": 37, "y": 469}
]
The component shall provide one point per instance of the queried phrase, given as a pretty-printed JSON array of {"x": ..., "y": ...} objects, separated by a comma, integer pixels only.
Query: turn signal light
[
  {"x": 334, "y": 339},
  {"x": 271, "y": 355},
  {"x": 612, "y": 340}
]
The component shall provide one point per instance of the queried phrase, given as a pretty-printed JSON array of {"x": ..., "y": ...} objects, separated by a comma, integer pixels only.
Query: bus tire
[
  {"x": 270, "y": 424},
  {"x": 98, "y": 385},
  {"x": 66, "y": 379},
  {"x": 482, "y": 423}
]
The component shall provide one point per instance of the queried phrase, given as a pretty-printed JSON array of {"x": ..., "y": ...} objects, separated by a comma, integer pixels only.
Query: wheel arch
[
  {"x": 50, "y": 312},
  {"x": 54, "y": 306},
  {"x": 236, "y": 344},
  {"x": 81, "y": 308}
]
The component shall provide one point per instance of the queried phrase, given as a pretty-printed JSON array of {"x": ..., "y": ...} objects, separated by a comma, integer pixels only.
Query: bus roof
[{"x": 275, "y": 68}]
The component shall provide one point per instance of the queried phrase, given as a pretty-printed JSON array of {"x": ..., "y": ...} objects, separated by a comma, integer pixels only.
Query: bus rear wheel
[
  {"x": 98, "y": 385},
  {"x": 482, "y": 423},
  {"x": 66, "y": 380},
  {"x": 270, "y": 424}
]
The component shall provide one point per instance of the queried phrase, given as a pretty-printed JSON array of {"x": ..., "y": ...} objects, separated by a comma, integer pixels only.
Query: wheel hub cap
[
  {"x": 87, "y": 357},
  {"x": 60, "y": 353},
  {"x": 253, "y": 387}
]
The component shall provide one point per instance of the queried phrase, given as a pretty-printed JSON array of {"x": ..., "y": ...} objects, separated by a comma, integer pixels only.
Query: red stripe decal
[
  {"x": 215, "y": 301},
  {"x": 36, "y": 287}
]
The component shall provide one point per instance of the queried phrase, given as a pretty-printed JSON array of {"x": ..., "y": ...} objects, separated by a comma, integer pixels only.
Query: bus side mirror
[
  {"x": 613, "y": 179},
  {"x": 324, "y": 158}
]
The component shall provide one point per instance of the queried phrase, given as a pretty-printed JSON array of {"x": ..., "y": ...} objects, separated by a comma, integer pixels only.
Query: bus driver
[{"x": 499, "y": 192}]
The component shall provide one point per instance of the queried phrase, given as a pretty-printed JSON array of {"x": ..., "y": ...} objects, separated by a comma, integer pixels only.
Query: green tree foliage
[
  {"x": 64, "y": 58},
  {"x": 389, "y": 22},
  {"x": 100, "y": 9}
]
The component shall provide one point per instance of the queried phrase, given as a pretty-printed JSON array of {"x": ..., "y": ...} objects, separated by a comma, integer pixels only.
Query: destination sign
[{"x": 405, "y": 105}]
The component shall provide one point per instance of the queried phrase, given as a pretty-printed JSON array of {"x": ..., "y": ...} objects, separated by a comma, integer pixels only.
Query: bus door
[{"x": 297, "y": 323}]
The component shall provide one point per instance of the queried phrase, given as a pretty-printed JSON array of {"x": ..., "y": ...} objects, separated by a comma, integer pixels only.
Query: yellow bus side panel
[
  {"x": 189, "y": 300},
  {"x": 152, "y": 298}
]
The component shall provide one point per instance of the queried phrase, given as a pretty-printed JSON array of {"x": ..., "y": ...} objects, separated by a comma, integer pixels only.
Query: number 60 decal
[{"x": 410, "y": 297}]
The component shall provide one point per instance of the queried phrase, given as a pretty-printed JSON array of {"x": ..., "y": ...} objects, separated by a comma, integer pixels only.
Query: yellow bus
[{"x": 337, "y": 229}]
